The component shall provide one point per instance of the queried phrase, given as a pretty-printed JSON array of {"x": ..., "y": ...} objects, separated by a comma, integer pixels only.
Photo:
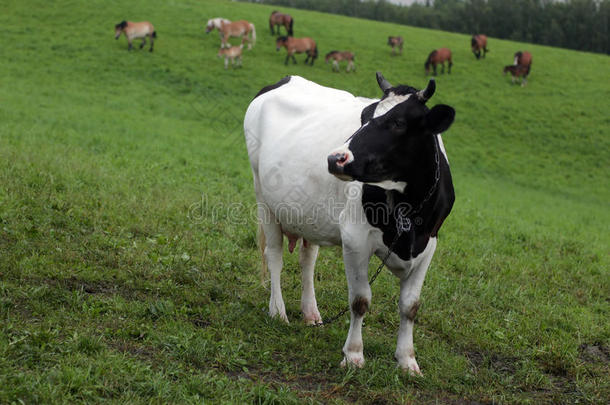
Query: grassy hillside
[{"x": 128, "y": 262}]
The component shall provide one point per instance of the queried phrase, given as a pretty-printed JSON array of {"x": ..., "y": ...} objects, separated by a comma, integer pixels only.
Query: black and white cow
[{"x": 389, "y": 172}]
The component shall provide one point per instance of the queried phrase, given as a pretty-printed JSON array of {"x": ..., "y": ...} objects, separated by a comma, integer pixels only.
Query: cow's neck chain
[{"x": 403, "y": 225}]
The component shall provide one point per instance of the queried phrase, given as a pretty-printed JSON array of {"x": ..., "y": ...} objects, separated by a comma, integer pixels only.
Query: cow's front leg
[
  {"x": 359, "y": 296},
  {"x": 308, "y": 253},
  {"x": 410, "y": 288}
]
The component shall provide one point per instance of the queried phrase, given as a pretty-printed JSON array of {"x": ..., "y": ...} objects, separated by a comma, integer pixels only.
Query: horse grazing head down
[{"x": 396, "y": 127}]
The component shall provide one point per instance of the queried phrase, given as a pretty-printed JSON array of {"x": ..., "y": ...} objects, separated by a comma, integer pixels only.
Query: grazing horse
[
  {"x": 233, "y": 53},
  {"x": 298, "y": 45},
  {"x": 369, "y": 175},
  {"x": 238, "y": 29},
  {"x": 215, "y": 23},
  {"x": 337, "y": 57},
  {"x": 134, "y": 30},
  {"x": 439, "y": 56},
  {"x": 277, "y": 19},
  {"x": 478, "y": 43},
  {"x": 517, "y": 71},
  {"x": 395, "y": 42}
]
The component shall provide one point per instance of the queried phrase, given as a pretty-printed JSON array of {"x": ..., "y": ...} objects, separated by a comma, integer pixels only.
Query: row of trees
[{"x": 575, "y": 24}]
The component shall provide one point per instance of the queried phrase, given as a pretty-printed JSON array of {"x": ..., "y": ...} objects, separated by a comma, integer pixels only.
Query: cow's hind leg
[
  {"x": 272, "y": 253},
  {"x": 308, "y": 253},
  {"x": 273, "y": 256},
  {"x": 410, "y": 288}
]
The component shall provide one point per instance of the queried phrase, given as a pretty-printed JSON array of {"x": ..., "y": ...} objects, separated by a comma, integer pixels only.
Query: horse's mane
[
  {"x": 122, "y": 24},
  {"x": 282, "y": 38},
  {"x": 331, "y": 53}
]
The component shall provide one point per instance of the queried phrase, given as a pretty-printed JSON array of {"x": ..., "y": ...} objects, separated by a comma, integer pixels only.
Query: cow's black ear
[
  {"x": 367, "y": 113},
  {"x": 439, "y": 118}
]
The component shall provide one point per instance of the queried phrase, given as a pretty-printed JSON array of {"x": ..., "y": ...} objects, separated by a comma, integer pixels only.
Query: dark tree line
[{"x": 574, "y": 24}]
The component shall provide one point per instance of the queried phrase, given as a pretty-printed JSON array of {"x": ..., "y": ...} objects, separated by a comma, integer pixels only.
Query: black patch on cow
[
  {"x": 280, "y": 83},
  {"x": 381, "y": 208},
  {"x": 360, "y": 305}
]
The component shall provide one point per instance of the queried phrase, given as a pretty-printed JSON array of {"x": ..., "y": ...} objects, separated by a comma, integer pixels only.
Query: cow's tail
[
  {"x": 262, "y": 243},
  {"x": 253, "y": 33}
]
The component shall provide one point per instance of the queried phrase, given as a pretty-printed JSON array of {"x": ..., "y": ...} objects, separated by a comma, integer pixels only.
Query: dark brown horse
[
  {"x": 439, "y": 56},
  {"x": 298, "y": 45},
  {"x": 277, "y": 19},
  {"x": 478, "y": 43},
  {"x": 395, "y": 42},
  {"x": 517, "y": 71},
  {"x": 521, "y": 66},
  {"x": 523, "y": 58}
]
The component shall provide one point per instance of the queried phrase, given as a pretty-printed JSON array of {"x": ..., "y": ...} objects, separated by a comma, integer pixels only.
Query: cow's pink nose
[{"x": 341, "y": 158}]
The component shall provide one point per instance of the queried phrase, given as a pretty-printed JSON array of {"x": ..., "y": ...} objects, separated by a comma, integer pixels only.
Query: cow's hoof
[
  {"x": 410, "y": 366},
  {"x": 353, "y": 360},
  {"x": 312, "y": 321},
  {"x": 311, "y": 315},
  {"x": 278, "y": 311}
]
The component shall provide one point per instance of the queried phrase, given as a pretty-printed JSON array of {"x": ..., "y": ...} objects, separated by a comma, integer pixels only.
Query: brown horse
[
  {"x": 395, "y": 42},
  {"x": 337, "y": 57},
  {"x": 521, "y": 66},
  {"x": 298, "y": 45},
  {"x": 478, "y": 43},
  {"x": 523, "y": 59},
  {"x": 237, "y": 29},
  {"x": 439, "y": 56},
  {"x": 518, "y": 71},
  {"x": 277, "y": 19},
  {"x": 134, "y": 30}
]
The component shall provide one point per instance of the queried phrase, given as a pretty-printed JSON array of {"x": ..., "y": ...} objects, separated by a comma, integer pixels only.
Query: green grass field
[{"x": 129, "y": 271}]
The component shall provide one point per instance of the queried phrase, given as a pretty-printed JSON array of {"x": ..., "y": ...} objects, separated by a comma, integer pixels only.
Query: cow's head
[{"x": 394, "y": 133}]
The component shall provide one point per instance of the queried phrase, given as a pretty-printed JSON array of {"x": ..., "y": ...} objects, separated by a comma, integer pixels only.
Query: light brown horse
[
  {"x": 233, "y": 53},
  {"x": 134, "y": 30},
  {"x": 518, "y": 71},
  {"x": 395, "y": 42},
  {"x": 337, "y": 57},
  {"x": 439, "y": 56},
  {"x": 277, "y": 19},
  {"x": 298, "y": 45},
  {"x": 478, "y": 43},
  {"x": 237, "y": 29}
]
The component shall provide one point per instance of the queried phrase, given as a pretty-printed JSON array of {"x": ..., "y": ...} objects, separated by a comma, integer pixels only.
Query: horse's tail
[
  {"x": 253, "y": 33},
  {"x": 262, "y": 244},
  {"x": 154, "y": 34},
  {"x": 290, "y": 32},
  {"x": 315, "y": 52}
]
